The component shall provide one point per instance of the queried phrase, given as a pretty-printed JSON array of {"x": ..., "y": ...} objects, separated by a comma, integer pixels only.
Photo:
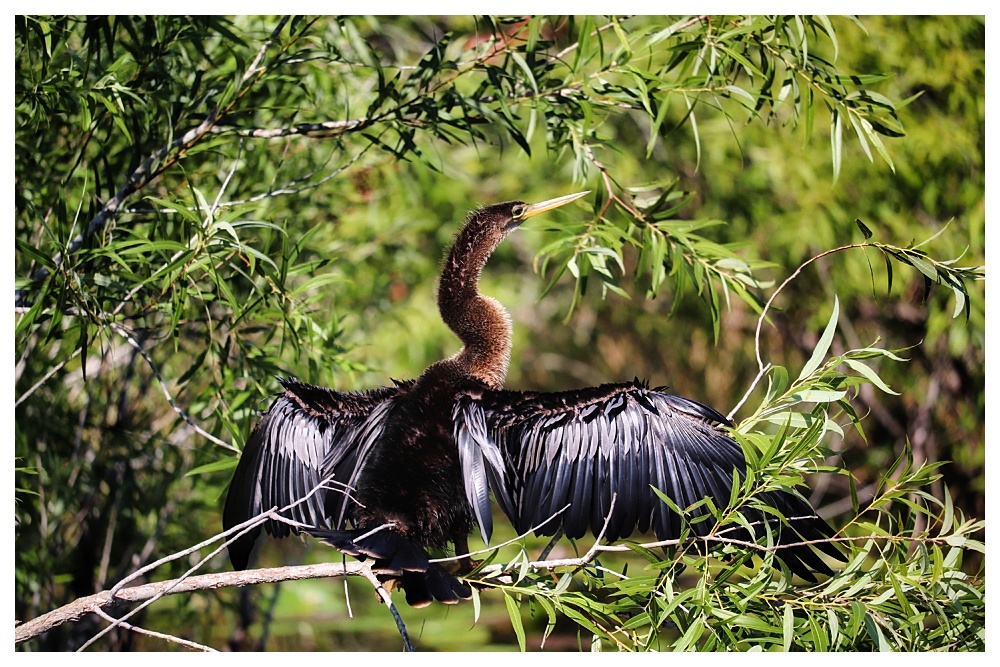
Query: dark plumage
[{"x": 411, "y": 466}]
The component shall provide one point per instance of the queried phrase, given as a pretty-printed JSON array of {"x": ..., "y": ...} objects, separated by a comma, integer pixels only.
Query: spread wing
[
  {"x": 307, "y": 435},
  {"x": 542, "y": 452}
]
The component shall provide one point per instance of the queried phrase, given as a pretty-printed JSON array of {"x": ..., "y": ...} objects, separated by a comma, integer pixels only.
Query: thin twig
[
  {"x": 753, "y": 385},
  {"x": 552, "y": 544},
  {"x": 225, "y": 183},
  {"x": 143, "y": 631},
  {"x": 327, "y": 128},
  {"x": 512, "y": 540},
  {"x": 369, "y": 574},
  {"x": 166, "y": 392},
  {"x": 52, "y": 371},
  {"x": 584, "y": 560},
  {"x": 763, "y": 313}
]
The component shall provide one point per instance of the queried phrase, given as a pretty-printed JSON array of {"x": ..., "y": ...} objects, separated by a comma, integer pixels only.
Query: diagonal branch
[{"x": 107, "y": 600}]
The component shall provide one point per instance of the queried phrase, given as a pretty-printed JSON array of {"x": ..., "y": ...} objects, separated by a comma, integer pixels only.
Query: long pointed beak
[{"x": 534, "y": 209}]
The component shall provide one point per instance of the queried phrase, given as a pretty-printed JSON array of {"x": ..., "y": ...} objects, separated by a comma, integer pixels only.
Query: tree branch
[{"x": 107, "y": 600}]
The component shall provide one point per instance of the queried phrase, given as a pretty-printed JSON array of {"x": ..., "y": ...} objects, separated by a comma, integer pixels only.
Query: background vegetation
[{"x": 202, "y": 204}]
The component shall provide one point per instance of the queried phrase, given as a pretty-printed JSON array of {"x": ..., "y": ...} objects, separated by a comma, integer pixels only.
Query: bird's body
[
  {"x": 394, "y": 472},
  {"x": 417, "y": 444}
]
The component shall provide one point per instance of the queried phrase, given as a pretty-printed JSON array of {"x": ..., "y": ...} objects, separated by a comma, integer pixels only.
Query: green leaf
[
  {"x": 828, "y": 28},
  {"x": 514, "y": 611},
  {"x": 519, "y": 59},
  {"x": 870, "y": 375},
  {"x": 787, "y": 627},
  {"x": 227, "y": 463},
  {"x": 867, "y": 233},
  {"x": 477, "y": 604},
  {"x": 833, "y": 622},
  {"x": 875, "y": 633},
  {"x": 836, "y": 141},
  {"x": 691, "y": 635},
  {"x": 923, "y": 266},
  {"x": 819, "y": 395},
  {"x": 823, "y": 346}
]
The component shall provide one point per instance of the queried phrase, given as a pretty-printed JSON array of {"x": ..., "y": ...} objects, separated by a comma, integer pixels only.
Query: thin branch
[
  {"x": 52, "y": 371},
  {"x": 328, "y": 128},
  {"x": 79, "y": 608},
  {"x": 225, "y": 183},
  {"x": 753, "y": 385},
  {"x": 166, "y": 392},
  {"x": 763, "y": 313},
  {"x": 502, "y": 544},
  {"x": 586, "y": 559},
  {"x": 369, "y": 574},
  {"x": 572, "y": 47},
  {"x": 159, "y": 635}
]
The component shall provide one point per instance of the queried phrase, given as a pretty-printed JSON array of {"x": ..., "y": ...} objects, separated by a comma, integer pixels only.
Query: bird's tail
[{"x": 422, "y": 580}]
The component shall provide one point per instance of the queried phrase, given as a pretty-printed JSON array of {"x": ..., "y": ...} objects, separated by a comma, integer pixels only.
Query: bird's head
[
  {"x": 517, "y": 211},
  {"x": 498, "y": 220}
]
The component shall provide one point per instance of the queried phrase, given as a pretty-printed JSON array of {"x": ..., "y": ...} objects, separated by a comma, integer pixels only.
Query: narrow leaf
[
  {"x": 824, "y": 343},
  {"x": 867, "y": 233},
  {"x": 870, "y": 375},
  {"x": 514, "y": 611}
]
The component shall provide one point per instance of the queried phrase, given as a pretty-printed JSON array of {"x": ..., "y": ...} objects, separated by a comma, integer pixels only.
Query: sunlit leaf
[{"x": 823, "y": 345}]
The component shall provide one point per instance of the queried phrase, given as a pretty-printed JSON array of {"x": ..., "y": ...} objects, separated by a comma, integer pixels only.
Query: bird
[{"x": 398, "y": 472}]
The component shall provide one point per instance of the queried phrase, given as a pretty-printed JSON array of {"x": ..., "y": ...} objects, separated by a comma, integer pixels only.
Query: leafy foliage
[
  {"x": 204, "y": 203},
  {"x": 902, "y": 587}
]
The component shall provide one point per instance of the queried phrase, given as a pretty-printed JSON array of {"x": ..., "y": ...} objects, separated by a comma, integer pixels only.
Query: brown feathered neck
[{"x": 480, "y": 322}]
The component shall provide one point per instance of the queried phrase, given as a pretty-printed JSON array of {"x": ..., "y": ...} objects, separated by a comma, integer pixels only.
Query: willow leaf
[{"x": 823, "y": 346}]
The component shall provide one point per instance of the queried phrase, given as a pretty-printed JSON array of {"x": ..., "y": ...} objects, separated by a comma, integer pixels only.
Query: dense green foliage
[{"x": 202, "y": 204}]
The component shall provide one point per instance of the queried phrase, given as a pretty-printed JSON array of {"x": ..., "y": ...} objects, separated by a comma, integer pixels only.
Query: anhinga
[{"x": 419, "y": 459}]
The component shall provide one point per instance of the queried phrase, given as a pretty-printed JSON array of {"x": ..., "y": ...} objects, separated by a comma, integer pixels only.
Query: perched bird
[{"x": 395, "y": 471}]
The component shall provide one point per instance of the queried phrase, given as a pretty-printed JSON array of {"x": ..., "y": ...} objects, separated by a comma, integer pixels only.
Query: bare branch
[
  {"x": 502, "y": 544},
  {"x": 369, "y": 574},
  {"x": 166, "y": 392},
  {"x": 52, "y": 371},
  {"x": 763, "y": 313},
  {"x": 160, "y": 635},
  {"x": 328, "y": 128},
  {"x": 147, "y": 592}
]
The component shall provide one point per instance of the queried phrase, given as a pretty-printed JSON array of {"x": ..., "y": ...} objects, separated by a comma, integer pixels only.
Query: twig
[
  {"x": 763, "y": 313},
  {"x": 225, "y": 183},
  {"x": 328, "y": 128},
  {"x": 166, "y": 392},
  {"x": 601, "y": 548},
  {"x": 552, "y": 543},
  {"x": 753, "y": 385},
  {"x": 151, "y": 633},
  {"x": 52, "y": 371},
  {"x": 502, "y": 544},
  {"x": 369, "y": 574},
  {"x": 574, "y": 45}
]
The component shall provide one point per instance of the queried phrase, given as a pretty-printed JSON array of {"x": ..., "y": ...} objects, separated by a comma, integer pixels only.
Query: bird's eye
[{"x": 517, "y": 211}]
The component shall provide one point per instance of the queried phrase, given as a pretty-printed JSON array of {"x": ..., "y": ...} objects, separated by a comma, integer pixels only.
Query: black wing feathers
[
  {"x": 306, "y": 435},
  {"x": 586, "y": 447}
]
